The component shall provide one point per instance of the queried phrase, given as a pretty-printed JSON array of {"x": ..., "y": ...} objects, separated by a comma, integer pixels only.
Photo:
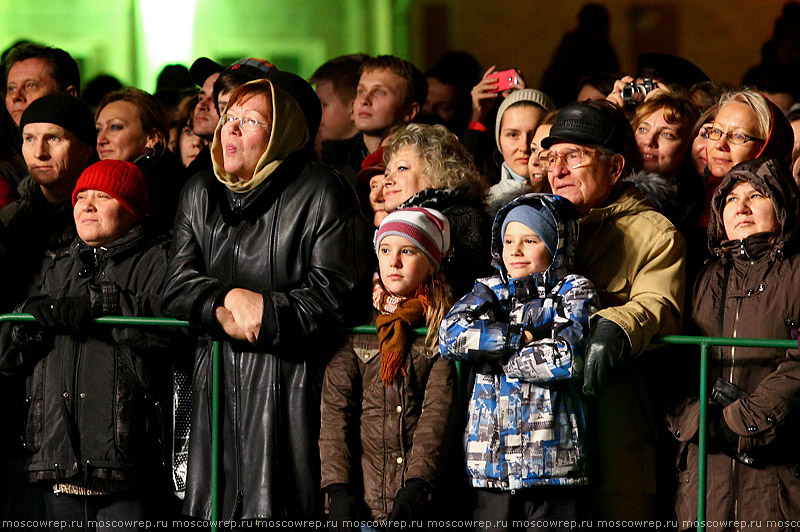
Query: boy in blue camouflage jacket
[{"x": 526, "y": 330}]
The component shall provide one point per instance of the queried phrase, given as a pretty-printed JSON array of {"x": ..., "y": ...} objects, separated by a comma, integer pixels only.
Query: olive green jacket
[{"x": 636, "y": 259}]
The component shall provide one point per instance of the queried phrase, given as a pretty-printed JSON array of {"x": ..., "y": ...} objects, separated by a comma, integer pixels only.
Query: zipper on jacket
[
  {"x": 736, "y": 324},
  {"x": 237, "y": 244},
  {"x": 76, "y": 382},
  {"x": 734, "y": 468}
]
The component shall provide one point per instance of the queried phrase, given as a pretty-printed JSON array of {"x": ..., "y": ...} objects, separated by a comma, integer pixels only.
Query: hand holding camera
[{"x": 629, "y": 92}]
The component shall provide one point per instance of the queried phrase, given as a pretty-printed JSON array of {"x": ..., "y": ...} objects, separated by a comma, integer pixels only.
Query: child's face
[
  {"x": 516, "y": 132},
  {"x": 337, "y": 115},
  {"x": 380, "y": 102},
  {"x": 402, "y": 265},
  {"x": 524, "y": 252}
]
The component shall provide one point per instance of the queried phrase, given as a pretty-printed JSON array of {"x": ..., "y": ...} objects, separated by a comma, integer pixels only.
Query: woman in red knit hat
[{"x": 93, "y": 431}]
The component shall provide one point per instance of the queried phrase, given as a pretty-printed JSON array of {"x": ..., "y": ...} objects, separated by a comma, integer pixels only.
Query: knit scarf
[{"x": 398, "y": 316}]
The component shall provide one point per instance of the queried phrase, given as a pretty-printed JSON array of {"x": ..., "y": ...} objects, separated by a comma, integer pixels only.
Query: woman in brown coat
[{"x": 750, "y": 289}]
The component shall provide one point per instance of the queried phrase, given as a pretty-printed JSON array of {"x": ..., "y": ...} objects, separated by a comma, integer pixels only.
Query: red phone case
[{"x": 506, "y": 79}]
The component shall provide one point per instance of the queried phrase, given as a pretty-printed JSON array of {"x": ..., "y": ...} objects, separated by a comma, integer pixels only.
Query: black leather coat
[{"x": 299, "y": 240}]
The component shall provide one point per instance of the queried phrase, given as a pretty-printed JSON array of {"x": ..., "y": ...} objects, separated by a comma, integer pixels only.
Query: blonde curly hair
[{"x": 447, "y": 163}]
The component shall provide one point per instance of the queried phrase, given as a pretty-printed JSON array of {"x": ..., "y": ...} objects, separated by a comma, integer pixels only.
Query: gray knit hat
[
  {"x": 62, "y": 110},
  {"x": 523, "y": 95}
]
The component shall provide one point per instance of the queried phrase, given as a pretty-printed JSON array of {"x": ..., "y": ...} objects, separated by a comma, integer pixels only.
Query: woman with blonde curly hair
[{"x": 427, "y": 166}]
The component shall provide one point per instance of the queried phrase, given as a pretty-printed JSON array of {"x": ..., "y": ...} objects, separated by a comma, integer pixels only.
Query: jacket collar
[
  {"x": 625, "y": 200},
  {"x": 90, "y": 256},
  {"x": 754, "y": 247}
]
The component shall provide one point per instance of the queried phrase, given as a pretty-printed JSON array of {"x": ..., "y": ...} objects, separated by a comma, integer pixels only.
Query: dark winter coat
[
  {"x": 33, "y": 227},
  {"x": 753, "y": 286},
  {"x": 299, "y": 240},
  {"x": 165, "y": 177},
  {"x": 375, "y": 438},
  {"x": 94, "y": 403}
]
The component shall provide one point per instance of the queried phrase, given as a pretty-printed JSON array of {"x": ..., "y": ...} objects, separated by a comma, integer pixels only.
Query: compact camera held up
[{"x": 630, "y": 90}]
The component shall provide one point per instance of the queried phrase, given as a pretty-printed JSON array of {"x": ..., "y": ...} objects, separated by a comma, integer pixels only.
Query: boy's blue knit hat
[{"x": 540, "y": 222}]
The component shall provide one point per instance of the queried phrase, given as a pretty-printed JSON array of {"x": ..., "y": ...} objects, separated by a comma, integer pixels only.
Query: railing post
[
  {"x": 216, "y": 375},
  {"x": 701, "y": 437}
]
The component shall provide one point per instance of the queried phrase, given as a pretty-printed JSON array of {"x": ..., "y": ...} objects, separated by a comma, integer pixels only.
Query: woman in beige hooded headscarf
[{"x": 266, "y": 257}]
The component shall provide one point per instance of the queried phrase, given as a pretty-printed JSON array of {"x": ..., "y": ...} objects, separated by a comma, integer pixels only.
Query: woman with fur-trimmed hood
[{"x": 749, "y": 289}]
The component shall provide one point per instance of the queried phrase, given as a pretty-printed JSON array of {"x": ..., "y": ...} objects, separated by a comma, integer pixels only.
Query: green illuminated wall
[{"x": 134, "y": 39}]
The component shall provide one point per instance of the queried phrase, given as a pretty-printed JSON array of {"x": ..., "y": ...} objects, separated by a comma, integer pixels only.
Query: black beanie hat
[
  {"x": 305, "y": 96},
  {"x": 62, "y": 110}
]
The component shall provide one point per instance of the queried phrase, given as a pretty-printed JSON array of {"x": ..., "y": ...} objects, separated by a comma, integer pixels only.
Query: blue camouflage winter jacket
[{"x": 526, "y": 419}]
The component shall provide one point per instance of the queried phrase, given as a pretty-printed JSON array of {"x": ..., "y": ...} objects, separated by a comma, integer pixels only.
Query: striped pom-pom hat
[{"x": 428, "y": 229}]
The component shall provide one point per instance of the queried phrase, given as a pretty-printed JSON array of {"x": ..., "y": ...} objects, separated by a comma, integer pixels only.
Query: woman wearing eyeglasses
[
  {"x": 266, "y": 257},
  {"x": 747, "y": 126}
]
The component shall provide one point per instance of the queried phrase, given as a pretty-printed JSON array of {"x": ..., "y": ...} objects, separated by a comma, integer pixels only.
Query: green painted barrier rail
[{"x": 704, "y": 342}]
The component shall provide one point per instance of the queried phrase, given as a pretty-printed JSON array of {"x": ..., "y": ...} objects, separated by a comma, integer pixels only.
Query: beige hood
[{"x": 289, "y": 134}]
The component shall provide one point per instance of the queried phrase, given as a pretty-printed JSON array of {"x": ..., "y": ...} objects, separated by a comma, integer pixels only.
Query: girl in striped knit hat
[{"x": 388, "y": 405}]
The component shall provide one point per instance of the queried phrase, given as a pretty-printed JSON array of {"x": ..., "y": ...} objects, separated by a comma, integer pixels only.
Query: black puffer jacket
[
  {"x": 93, "y": 404},
  {"x": 297, "y": 238}
]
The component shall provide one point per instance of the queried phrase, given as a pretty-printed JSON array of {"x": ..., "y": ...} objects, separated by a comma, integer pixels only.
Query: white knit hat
[
  {"x": 428, "y": 229},
  {"x": 523, "y": 95}
]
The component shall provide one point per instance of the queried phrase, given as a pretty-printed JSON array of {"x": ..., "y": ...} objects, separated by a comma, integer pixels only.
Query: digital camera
[{"x": 631, "y": 89}]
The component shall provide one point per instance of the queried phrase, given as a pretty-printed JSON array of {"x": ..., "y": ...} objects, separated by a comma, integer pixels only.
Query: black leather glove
[
  {"x": 408, "y": 503},
  {"x": 605, "y": 356},
  {"x": 74, "y": 312},
  {"x": 67, "y": 314},
  {"x": 343, "y": 507},
  {"x": 44, "y": 312},
  {"x": 721, "y": 439}
]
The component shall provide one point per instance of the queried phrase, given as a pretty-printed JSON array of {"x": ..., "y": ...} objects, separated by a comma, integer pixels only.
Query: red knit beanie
[{"x": 122, "y": 180}]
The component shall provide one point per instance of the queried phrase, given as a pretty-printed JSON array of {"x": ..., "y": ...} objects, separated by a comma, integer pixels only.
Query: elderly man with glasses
[{"x": 636, "y": 258}]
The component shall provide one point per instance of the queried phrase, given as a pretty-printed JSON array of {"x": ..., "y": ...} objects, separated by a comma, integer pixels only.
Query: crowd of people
[{"x": 543, "y": 248}]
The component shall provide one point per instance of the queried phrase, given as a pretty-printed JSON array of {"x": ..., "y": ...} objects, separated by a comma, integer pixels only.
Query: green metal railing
[
  {"x": 215, "y": 386},
  {"x": 704, "y": 342}
]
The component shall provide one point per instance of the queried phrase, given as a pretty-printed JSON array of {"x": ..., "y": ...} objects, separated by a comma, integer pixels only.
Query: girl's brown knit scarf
[{"x": 398, "y": 316}]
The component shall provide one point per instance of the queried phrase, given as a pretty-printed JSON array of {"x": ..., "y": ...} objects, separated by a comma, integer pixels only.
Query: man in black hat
[
  {"x": 636, "y": 258},
  {"x": 204, "y": 72},
  {"x": 58, "y": 143}
]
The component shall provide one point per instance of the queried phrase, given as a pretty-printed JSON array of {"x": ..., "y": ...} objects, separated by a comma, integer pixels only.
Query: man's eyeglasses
[
  {"x": 734, "y": 138},
  {"x": 573, "y": 158},
  {"x": 247, "y": 124}
]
